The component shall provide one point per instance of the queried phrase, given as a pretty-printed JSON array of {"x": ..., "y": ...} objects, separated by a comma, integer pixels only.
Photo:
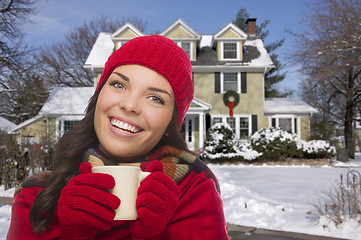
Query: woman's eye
[
  {"x": 157, "y": 99},
  {"x": 117, "y": 84}
]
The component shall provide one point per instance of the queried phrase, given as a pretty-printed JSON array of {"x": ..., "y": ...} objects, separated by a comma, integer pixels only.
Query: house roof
[
  {"x": 255, "y": 54},
  {"x": 287, "y": 106},
  {"x": 5, "y": 124},
  {"x": 67, "y": 101},
  {"x": 102, "y": 49},
  {"x": 25, "y": 123}
]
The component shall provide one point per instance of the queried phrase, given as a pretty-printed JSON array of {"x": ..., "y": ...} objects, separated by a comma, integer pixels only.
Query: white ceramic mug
[{"x": 127, "y": 181}]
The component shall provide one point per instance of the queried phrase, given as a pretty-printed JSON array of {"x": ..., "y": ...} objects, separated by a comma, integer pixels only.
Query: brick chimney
[{"x": 251, "y": 27}]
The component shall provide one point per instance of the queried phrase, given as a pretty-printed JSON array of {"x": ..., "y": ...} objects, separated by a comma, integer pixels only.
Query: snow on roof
[
  {"x": 206, "y": 41},
  {"x": 67, "y": 101},
  {"x": 287, "y": 106},
  {"x": 6, "y": 124},
  {"x": 264, "y": 58},
  {"x": 102, "y": 49}
]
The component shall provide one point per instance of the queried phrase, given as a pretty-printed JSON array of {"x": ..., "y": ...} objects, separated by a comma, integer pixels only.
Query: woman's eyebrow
[
  {"x": 159, "y": 90},
  {"x": 122, "y": 76}
]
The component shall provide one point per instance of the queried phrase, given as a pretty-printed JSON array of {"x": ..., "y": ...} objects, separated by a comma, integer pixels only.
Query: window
[
  {"x": 217, "y": 120},
  {"x": 63, "y": 126},
  {"x": 285, "y": 124},
  {"x": 190, "y": 131},
  {"x": 232, "y": 123},
  {"x": 186, "y": 46},
  {"x": 68, "y": 125},
  {"x": 230, "y": 51},
  {"x": 273, "y": 123},
  {"x": 230, "y": 82},
  {"x": 240, "y": 124},
  {"x": 243, "y": 127},
  {"x": 224, "y": 81}
]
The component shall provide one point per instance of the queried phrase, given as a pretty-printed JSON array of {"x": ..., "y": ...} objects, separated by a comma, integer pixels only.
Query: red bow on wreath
[
  {"x": 231, "y": 100},
  {"x": 231, "y": 106}
]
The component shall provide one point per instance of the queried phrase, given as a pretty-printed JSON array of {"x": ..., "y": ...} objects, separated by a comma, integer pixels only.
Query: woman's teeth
[{"x": 124, "y": 126}]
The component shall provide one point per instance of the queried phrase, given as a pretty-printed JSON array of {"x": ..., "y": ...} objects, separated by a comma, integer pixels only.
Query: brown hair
[{"x": 68, "y": 156}]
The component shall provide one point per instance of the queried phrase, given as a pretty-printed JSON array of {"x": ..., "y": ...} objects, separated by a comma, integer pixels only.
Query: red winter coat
[{"x": 199, "y": 215}]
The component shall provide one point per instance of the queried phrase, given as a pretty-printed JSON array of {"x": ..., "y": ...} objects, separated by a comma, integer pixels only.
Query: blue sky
[{"x": 54, "y": 18}]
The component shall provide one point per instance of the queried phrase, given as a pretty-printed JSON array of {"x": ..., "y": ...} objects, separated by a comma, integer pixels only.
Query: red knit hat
[{"x": 163, "y": 56}]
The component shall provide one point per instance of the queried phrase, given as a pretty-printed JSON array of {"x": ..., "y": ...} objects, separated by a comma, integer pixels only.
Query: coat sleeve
[
  {"x": 200, "y": 212},
  {"x": 20, "y": 227}
]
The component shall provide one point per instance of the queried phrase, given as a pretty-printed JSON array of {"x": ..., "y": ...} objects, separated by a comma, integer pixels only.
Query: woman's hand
[
  {"x": 85, "y": 206},
  {"x": 156, "y": 203}
]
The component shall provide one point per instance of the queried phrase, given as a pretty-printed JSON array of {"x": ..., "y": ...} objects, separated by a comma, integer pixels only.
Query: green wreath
[{"x": 231, "y": 97}]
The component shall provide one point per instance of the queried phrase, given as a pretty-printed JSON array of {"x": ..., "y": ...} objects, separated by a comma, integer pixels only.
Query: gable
[
  {"x": 128, "y": 31},
  {"x": 179, "y": 29},
  {"x": 229, "y": 33},
  {"x": 179, "y": 32}
]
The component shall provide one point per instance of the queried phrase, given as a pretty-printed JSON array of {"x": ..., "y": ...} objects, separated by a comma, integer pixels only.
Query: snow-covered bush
[
  {"x": 222, "y": 145},
  {"x": 267, "y": 144},
  {"x": 274, "y": 144}
]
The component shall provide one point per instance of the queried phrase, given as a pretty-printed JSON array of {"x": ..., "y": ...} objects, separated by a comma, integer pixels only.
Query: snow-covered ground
[{"x": 271, "y": 197}]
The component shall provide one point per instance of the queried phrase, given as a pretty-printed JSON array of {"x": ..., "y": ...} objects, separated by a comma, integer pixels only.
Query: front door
[{"x": 189, "y": 132}]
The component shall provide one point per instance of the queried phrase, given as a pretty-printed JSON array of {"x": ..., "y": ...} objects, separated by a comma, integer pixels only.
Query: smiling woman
[
  {"x": 134, "y": 117},
  {"x": 136, "y": 112}
]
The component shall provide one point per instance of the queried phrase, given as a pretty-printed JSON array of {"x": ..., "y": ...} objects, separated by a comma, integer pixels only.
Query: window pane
[
  {"x": 217, "y": 120},
  {"x": 230, "y": 50},
  {"x": 186, "y": 46},
  {"x": 230, "y": 81},
  {"x": 68, "y": 125},
  {"x": 285, "y": 124},
  {"x": 273, "y": 124},
  {"x": 232, "y": 123},
  {"x": 243, "y": 127}
]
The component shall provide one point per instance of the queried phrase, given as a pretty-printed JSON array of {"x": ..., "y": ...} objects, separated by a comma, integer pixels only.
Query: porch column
[{"x": 202, "y": 123}]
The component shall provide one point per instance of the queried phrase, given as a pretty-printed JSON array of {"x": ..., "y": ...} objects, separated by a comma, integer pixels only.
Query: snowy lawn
[{"x": 271, "y": 197}]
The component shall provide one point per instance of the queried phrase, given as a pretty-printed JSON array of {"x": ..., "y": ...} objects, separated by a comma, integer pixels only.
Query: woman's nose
[{"x": 130, "y": 103}]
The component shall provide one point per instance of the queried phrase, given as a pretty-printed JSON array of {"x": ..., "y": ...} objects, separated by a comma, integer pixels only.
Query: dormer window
[
  {"x": 230, "y": 51},
  {"x": 187, "y": 47}
]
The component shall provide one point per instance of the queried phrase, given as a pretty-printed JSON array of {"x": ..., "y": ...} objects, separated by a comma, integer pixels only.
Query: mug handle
[{"x": 143, "y": 175}]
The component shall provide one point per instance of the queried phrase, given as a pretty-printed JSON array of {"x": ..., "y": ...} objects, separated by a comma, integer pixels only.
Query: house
[
  {"x": 228, "y": 75},
  {"x": 64, "y": 107}
]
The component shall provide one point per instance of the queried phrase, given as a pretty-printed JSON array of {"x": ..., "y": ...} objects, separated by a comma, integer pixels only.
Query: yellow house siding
[
  {"x": 128, "y": 34},
  {"x": 305, "y": 128},
  {"x": 266, "y": 122},
  {"x": 38, "y": 130},
  {"x": 179, "y": 32},
  {"x": 229, "y": 34},
  {"x": 250, "y": 103},
  {"x": 96, "y": 79}
]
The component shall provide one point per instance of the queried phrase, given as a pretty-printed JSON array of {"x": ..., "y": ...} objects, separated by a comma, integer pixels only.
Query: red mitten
[
  {"x": 156, "y": 203},
  {"x": 84, "y": 206}
]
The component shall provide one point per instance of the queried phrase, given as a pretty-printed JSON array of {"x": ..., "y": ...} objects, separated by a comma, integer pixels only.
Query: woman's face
[{"x": 133, "y": 111}]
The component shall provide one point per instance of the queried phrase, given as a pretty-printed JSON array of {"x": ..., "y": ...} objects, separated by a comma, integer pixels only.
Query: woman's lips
[{"x": 125, "y": 127}]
